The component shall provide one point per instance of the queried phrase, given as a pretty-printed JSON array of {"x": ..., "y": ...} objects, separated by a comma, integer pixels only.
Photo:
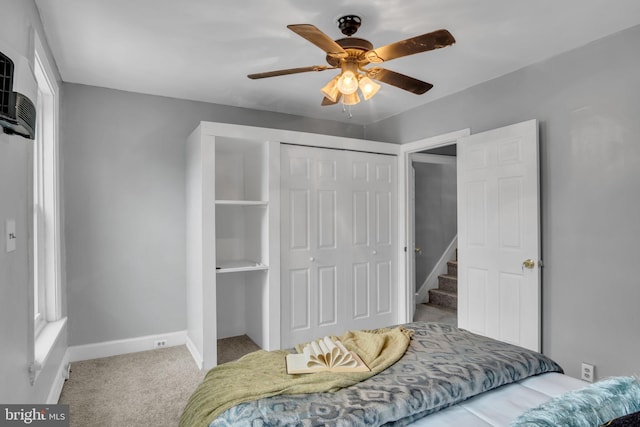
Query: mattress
[
  {"x": 442, "y": 367},
  {"x": 499, "y": 407}
]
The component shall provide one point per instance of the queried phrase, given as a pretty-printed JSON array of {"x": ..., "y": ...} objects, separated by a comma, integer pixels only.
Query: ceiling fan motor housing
[{"x": 355, "y": 47}]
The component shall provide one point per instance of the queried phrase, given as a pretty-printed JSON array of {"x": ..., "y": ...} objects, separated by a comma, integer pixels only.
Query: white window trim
[{"x": 47, "y": 326}]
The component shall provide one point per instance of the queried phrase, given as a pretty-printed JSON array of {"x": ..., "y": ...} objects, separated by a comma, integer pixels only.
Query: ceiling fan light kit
[
  {"x": 368, "y": 87},
  {"x": 350, "y": 99},
  {"x": 348, "y": 82},
  {"x": 330, "y": 90},
  {"x": 351, "y": 55}
]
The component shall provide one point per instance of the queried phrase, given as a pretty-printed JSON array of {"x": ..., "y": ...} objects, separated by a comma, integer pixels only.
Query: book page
[{"x": 328, "y": 353}]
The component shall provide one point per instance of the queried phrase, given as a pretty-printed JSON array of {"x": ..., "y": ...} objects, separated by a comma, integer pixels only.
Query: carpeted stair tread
[
  {"x": 444, "y": 292},
  {"x": 448, "y": 283},
  {"x": 452, "y": 268},
  {"x": 443, "y": 298}
]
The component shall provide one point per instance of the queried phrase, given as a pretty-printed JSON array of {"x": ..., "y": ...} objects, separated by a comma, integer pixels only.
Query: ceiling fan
[{"x": 351, "y": 55}]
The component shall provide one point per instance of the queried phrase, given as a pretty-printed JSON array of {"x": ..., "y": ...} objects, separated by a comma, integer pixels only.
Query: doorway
[
  {"x": 408, "y": 297},
  {"x": 434, "y": 207}
]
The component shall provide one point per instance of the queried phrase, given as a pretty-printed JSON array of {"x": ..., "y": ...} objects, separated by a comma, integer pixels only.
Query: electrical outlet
[
  {"x": 587, "y": 372},
  {"x": 160, "y": 343}
]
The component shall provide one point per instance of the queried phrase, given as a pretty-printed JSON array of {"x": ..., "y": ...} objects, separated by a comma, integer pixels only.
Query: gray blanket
[{"x": 444, "y": 365}]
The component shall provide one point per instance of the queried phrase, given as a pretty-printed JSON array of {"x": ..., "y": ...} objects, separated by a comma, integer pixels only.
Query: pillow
[
  {"x": 586, "y": 407},
  {"x": 631, "y": 420}
]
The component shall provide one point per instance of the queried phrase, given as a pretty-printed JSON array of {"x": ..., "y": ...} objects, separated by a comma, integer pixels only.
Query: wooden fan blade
[
  {"x": 430, "y": 41},
  {"x": 289, "y": 71},
  {"x": 399, "y": 80},
  {"x": 320, "y": 39},
  {"x": 326, "y": 101}
]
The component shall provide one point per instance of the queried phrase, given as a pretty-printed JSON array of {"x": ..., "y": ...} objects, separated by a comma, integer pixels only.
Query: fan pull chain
[{"x": 347, "y": 110}]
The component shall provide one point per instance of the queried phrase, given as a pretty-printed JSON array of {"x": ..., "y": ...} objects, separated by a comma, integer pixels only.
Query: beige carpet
[
  {"x": 434, "y": 313},
  {"x": 149, "y": 388}
]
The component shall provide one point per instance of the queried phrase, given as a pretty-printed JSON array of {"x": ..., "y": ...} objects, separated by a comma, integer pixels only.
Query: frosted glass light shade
[
  {"x": 348, "y": 83},
  {"x": 330, "y": 90},
  {"x": 368, "y": 87},
  {"x": 350, "y": 99}
]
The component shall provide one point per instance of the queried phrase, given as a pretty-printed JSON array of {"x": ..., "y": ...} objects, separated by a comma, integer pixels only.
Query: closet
[
  {"x": 337, "y": 247},
  {"x": 286, "y": 242}
]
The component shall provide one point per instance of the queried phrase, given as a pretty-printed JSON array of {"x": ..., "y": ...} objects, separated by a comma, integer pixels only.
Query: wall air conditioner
[{"x": 17, "y": 88}]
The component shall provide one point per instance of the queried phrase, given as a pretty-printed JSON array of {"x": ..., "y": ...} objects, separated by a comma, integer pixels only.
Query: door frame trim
[{"x": 406, "y": 293}]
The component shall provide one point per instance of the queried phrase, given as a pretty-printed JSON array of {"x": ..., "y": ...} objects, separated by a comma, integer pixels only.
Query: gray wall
[
  {"x": 17, "y": 17},
  {"x": 588, "y": 105},
  {"x": 124, "y": 162},
  {"x": 436, "y": 214}
]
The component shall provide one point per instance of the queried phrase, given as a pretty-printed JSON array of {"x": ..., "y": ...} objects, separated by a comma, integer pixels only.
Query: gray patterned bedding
[{"x": 443, "y": 365}]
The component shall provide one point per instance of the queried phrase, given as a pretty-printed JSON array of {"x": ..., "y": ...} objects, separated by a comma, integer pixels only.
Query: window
[
  {"x": 46, "y": 263},
  {"x": 47, "y": 321}
]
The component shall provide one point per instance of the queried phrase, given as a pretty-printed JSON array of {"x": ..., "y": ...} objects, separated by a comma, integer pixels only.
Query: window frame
[
  {"x": 45, "y": 223},
  {"x": 47, "y": 271}
]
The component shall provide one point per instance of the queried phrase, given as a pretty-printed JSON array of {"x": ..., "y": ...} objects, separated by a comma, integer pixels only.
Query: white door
[
  {"x": 369, "y": 253},
  {"x": 338, "y": 242},
  {"x": 498, "y": 234}
]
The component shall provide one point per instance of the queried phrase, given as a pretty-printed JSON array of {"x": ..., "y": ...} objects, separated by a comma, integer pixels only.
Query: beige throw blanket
[{"x": 263, "y": 374}]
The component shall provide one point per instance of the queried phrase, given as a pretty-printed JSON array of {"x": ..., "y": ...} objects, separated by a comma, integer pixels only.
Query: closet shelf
[
  {"x": 240, "y": 265},
  {"x": 242, "y": 202}
]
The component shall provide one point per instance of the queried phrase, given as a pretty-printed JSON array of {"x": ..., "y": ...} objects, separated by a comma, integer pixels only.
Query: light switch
[{"x": 11, "y": 234}]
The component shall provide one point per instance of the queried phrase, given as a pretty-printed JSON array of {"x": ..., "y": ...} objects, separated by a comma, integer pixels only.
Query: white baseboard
[
  {"x": 58, "y": 382},
  {"x": 77, "y": 353},
  {"x": 431, "y": 281},
  {"x": 197, "y": 357}
]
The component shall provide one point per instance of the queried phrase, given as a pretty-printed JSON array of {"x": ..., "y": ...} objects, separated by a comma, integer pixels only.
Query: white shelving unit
[
  {"x": 228, "y": 248},
  {"x": 233, "y": 231}
]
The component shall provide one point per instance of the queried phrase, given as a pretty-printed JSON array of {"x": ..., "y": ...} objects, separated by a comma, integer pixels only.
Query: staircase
[{"x": 446, "y": 294}]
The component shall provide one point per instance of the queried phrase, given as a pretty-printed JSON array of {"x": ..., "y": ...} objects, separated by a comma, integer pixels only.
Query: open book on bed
[{"x": 325, "y": 355}]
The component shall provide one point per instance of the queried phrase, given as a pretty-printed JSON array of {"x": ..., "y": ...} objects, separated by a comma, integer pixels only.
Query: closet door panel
[
  {"x": 309, "y": 199},
  {"x": 383, "y": 287},
  {"x": 300, "y": 218},
  {"x": 300, "y": 313},
  {"x": 383, "y": 218},
  {"x": 361, "y": 286},
  {"x": 360, "y": 171},
  {"x": 379, "y": 251},
  {"x": 360, "y": 218},
  {"x": 328, "y": 290},
  {"x": 299, "y": 278},
  {"x": 327, "y": 232},
  {"x": 383, "y": 173},
  {"x": 337, "y": 216}
]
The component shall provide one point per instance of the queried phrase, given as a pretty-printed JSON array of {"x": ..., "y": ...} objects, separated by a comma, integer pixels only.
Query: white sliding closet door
[{"x": 338, "y": 242}]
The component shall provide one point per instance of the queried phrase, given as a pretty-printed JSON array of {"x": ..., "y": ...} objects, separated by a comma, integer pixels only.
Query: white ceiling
[{"x": 203, "y": 49}]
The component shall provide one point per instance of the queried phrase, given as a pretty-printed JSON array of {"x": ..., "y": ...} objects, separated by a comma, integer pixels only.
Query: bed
[{"x": 447, "y": 376}]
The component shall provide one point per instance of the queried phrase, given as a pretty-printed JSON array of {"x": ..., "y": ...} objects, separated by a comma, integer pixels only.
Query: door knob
[
  {"x": 312, "y": 259},
  {"x": 374, "y": 252},
  {"x": 528, "y": 263},
  {"x": 418, "y": 251}
]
